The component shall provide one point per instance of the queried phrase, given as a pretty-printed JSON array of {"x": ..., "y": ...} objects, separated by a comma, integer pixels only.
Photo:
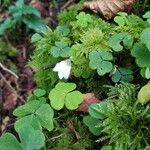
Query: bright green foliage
[
  {"x": 30, "y": 138},
  {"x": 121, "y": 19},
  {"x": 64, "y": 94},
  {"x": 145, "y": 72},
  {"x": 100, "y": 60},
  {"x": 62, "y": 30},
  {"x": 116, "y": 40},
  {"x": 145, "y": 36},
  {"x": 22, "y": 13},
  {"x": 122, "y": 74},
  {"x": 106, "y": 147},
  {"x": 83, "y": 19},
  {"x": 36, "y": 37},
  {"x": 60, "y": 50},
  {"x": 9, "y": 142},
  {"x": 142, "y": 55},
  {"x": 147, "y": 16},
  {"x": 35, "y": 112},
  {"x": 126, "y": 123},
  {"x": 144, "y": 94}
]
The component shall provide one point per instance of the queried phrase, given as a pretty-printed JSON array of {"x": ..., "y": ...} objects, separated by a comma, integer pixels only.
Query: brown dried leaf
[
  {"x": 89, "y": 99},
  {"x": 109, "y": 8}
]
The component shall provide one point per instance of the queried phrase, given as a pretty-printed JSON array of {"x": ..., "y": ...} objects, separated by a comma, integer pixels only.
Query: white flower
[{"x": 63, "y": 68}]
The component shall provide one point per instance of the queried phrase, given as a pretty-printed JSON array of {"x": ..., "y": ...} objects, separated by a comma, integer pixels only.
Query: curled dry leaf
[
  {"x": 89, "y": 98},
  {"x": 109, "y": 8}
]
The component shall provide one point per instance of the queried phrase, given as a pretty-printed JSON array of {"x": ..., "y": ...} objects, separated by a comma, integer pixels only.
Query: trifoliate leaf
[
  {"x": 100, "y": 60},
  {"x": 63, "y": 94},
  {"x": 60, "y": 50},
  {"x": 145, "y": 37},
  {"x": 122, "y": 74},
  {"x": 83, "y": 19},
  {"x": 98, "y": 111},
  {"x": 115, "y": 41},
  {"x": 39, "y": 92},
  {"x": 93, "y": 125},
  {"x": 9, "y": 142},
  {"x": 31, "y": 139},
  {"x": 144, "y": 94},
  {"x": 63, "y": 30},
  {"x": 141, "y": 54},
  {"x": 45, "y": 115}
]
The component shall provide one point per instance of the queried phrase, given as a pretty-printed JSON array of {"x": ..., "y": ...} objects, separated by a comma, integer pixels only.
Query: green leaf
[
  {"x": 35, "y": 23},
  {"x": 145, "y": 37},
  {"x": 36, "y": 37},
  {"x": 122, "y": 74},
  {"x": 31, "y": 139},
  {"x": 39, "y": 92},
  {"x": 28, "y": 120},
  {"x": 141, "y": 54},
  {"x": 144, "y": 94},
  {"x": 63, "y": 30},
  {"x": 63, "y": 94},
  {"x": 100, "y": 60},
  {"x": 116, "y": 39},
  {"x": 27, "y": 109},
  {"x": 92, "y": 124},
  {"x": 99, "y": 110},
  {"x": 73, "y": 100},
  {"x": 9, "y": 142},
  {"x": 60, "y": 50},
  {"x": 45, "y": 114},
  {"x": 121, "y": 19},
  {"x": 108, "y": 147},
  {"x": 83, "y": 19},
  {"x": 147, "y": 15}
]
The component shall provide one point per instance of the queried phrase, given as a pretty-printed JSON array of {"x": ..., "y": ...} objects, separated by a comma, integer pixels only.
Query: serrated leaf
[
  {"x": 142, "y": 55},
  {"x": 92, "y": 125},
  {"x": 60, "y": 50},
  {"x": 73, "y": 100},
  {"x": 45, "y": 114},
  {"x": 9, "y": 142},
  {"x": 145, "y": 37},
  {"x": 122, "y": 74},
  {"x": 99, "y": 110},
  {"x": 115, "y": 41},
  {"x": 31, "y": 139},
  {"x": 39, "y": 92},
  {"x": 100, "y": 60}
]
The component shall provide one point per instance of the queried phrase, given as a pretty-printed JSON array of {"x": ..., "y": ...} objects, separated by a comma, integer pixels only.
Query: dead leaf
[
  {"x": 109, "y": 8},
  {"x": 5, "y": 122},
  {"x": 89, "y": 99},
  {"x": 72, "y": 129}
]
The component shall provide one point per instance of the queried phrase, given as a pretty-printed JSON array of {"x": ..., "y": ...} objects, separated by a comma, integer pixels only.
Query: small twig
[
  {"x": 8, "y": 70},
  {"x": 67, "y": 4},
  {"x": 3, "y": 78},
  {"x": 55, "y": 137}
]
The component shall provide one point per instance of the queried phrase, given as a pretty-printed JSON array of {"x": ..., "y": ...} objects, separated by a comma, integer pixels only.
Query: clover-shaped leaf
[
  {"x": 62, "y": 30},
  {"x": 141, "y": 54},
  {"x": 63, "y": 94},
  {"x": 60, "y": 50},
  {"x": 122, "y": 74},
  {"x": 83, "y": 19},
  {"x": 115, "y": 41},
  {"x": 100, "y": 60},
  {"x": 145, "y": 37},
  {"x": 121, "y": 19}
]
